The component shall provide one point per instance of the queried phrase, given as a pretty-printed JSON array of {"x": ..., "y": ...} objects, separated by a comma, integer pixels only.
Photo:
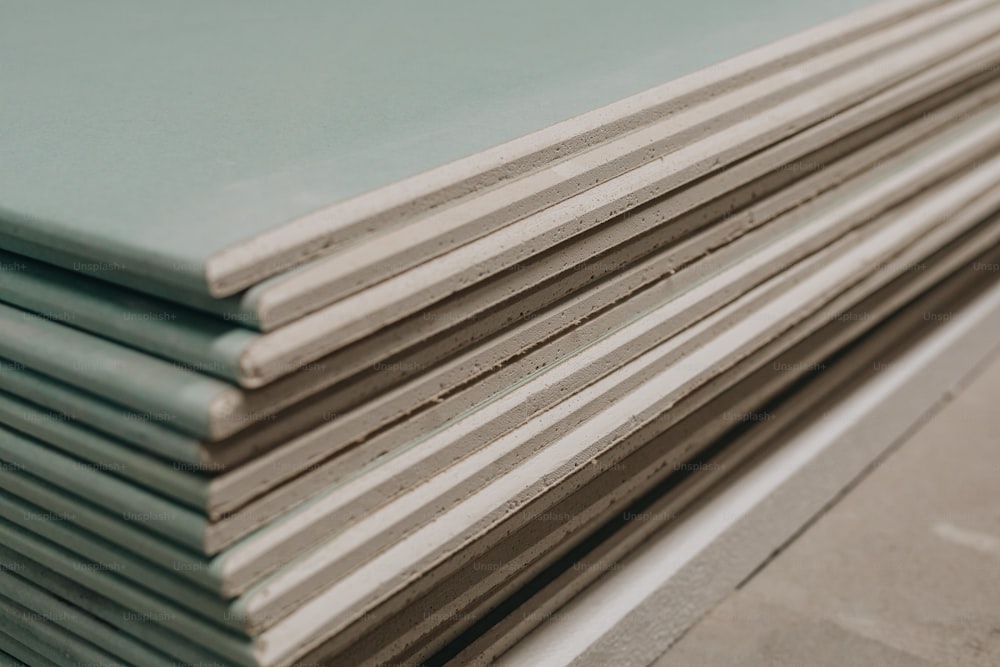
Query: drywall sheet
[
  {"x": 823, "y": 457},
  {"x": 299, "y": 466},
  {"x": 272, "y": 592},
  {"x": 85, "y": 572},
  {"x": 209, "y": 408},
  {"x": 831, "y": 381},
  {"x": 220, "y": 348},
  {"x": 376, "y": 580},
  {"x": 804, "y": 356},
  {"x": 426, "y": 624},
  {"x": 234, "y": 161}
]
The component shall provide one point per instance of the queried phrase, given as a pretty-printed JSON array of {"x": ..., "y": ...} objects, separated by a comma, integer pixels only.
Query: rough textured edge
[
  {"x": 938, "y": 287},
  {"x": 275, "y": 642},
  {"x": 229, "y": 271},
  {"x": 392, "y": 251},
  {"x": 703, "y": 558},
  {"x": 351, "y": 319},
  {"x": 772, "y": 376}
]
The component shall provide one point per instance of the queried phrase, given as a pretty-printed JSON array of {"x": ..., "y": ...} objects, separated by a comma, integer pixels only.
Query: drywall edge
[
  {"x": 704, "y": 556},
  {"x": 308, "y": 237}
]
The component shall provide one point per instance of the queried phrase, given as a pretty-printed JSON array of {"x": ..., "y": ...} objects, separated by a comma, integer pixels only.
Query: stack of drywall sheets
[
  {"x": 258, "y": 407},
  {"x": 806, "y": 437}
]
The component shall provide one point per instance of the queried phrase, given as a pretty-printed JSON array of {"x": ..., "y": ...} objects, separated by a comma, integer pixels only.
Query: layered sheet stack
[{"x": 278, "y": 388}]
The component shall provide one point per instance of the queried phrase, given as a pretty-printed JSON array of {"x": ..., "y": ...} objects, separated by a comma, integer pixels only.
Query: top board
[{"x": 184, "y": 143}]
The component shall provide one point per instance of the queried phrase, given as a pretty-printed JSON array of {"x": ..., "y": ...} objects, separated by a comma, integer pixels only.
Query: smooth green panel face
[{"x": 173, "y": 130}]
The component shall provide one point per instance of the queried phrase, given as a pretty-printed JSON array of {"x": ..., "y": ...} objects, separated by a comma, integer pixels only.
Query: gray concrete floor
[{"x": 904, "y": 570}]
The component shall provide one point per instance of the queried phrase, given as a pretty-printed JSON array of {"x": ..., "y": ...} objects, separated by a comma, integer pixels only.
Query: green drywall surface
[
  {"x": 133, "y": 504},
  {"x": 147, "y": 137},
  {"x": 76, "y": 406},
  {"x": 154, "y": 630},
  {"x": 210, "y": 345},
  {"x": 50, "y": 638},
  {"x": 53, "y": 538},
  {"x": 78, "y": 624},
  {"x": 156, "y": 389},
  {"x": 99, "y": 452},
  {"x": 12, "y": 651}
]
